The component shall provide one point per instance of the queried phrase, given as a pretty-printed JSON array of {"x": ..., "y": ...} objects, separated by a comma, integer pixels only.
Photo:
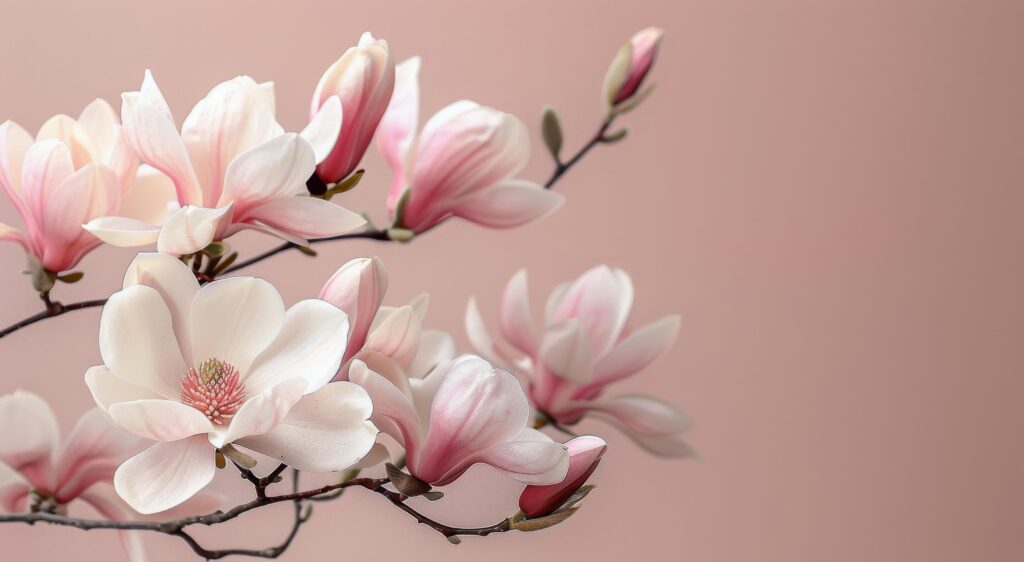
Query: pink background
[{"x": 830, "y": 193}]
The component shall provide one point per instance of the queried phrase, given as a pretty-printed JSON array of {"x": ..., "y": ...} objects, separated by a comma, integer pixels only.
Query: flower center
[{"x": 214, "y": 390}]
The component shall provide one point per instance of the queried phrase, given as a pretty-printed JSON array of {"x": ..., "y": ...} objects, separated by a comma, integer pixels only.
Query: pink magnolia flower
[
  {"x": 39, "y": 471},
  {"x": 386, "y": 338},
  {"x": 462, "y": 164},
  {"x": 70, "y": 173},
  {"x": 363, "y": 79},
  {"x": 584, "y": 347},
  {"x": 196, "y": 369},
  {"x": 233, "y": 168},
  {"x": 585, "y": 453},
  {"x": 632, "y": 65},
  {"x": 462, "y": 413}
]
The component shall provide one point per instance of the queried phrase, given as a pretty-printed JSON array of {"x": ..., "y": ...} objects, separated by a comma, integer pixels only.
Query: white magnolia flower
[{"x": 225, "y": 364}]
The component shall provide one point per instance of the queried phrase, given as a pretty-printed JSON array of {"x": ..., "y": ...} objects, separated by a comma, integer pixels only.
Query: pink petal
[
  {"x": 325, "y": 431},
  {"x": 306, "y": 217},
  {"x": 508, "y": 204},
  {"x": 397, "y": 129},
  {"x": 108, "y": 389},
  {"x": 584, "y": 454},
  {"x": 322, "y": 131},
  {"x": 190, "y": 229},
  {"x": 150, "y": 130},
  {"x": 601, "y": 300},
  {"x": 480, "y": 338},
  {"x": 46, "y": 166},
  {"x": 11, "y": 234},
  {"x": 398, "y": 336},
  {"x": 91, "y": 453},
  {"x": 358, "y": 288},
  {"x": 651, "y": 423},
  {"x": 515, "y": 320},
  {"x": 393, "y": 411},
  {"x": 14, "y": 490},
  {"x": 566, "y": 352},
  {"x": 166, "y": 474},
  {"x": 531, "y": 458},
  {"x": 14, "y": 144},
  {"x": 30, "y": 434},
  {"x": 638, "y": 350}
]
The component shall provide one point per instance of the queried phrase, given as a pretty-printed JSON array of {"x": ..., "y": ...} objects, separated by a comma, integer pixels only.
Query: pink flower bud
[
  {"x": 363, "y": 78},
  {"x": 584, "y": 455},
  {"x": 358, "y": 288},
  {"x": 632, "y": 65}
]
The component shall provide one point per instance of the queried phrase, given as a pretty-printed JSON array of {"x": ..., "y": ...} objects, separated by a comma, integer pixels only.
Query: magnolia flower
[
  {"x": 222, "y": 365},
  {"x": 72, "y": 172},
  {"x": 461, "y": 164},
  {"x": 585, "y": 453},
  {"x": 584, "y": 347},
  {"x": 363, "y": 79},
  {"x": 463, "y": 413},
  {"x": 37, "y": 471},
  {"x": 233, "y": 168},
  {"x": 385, "y": 338},
  {"x": 631, "y": 65}
]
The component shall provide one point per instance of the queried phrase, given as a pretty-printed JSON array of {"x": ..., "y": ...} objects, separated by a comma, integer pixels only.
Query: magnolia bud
[
  {"x": 631, "y": 65},
  {"x": 584, "y": 455}
]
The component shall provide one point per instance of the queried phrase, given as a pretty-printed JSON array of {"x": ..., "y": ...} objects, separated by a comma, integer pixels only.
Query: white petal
[
  {"x": 323, "y": 130},
  {"x": 566, "y": 352},
  {"x": 515, "y": 320},
  {"x": 306, "y": 217},
  {"x": 508, "y": 204},
  {"x": 104, "y": 499},
  {"x": 107, "y": 389},
  {"x": 166, "y": 474},
  {"x": 392, "y": 409},
  {"x": 530, "y": 461},
  {"x": 14, "y": 490},
  {"x": 160, "y": 420},
  {"x": 262, "y": 412},
  {"x": 137, "y": 341},
  {"x": 436, "y": 347},
  {"x": 310, "y": 345},
  {"x": 123, "y": 232},
  {"x": 176, "y": 284},
  {"x": 190, "y": 229},
  {"x": 638, "y": 350},
  {"x": 276, "y": 168},
  {"x": 29, "y": 437},
  {"x": 234, "y": 320},
  {"x": 326, "y": 431}
]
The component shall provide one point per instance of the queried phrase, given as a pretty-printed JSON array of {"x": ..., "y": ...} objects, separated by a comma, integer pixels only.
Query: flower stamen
[{"x": 215, "y": 390}]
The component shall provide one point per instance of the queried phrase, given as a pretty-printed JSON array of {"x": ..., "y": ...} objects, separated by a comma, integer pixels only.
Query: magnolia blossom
[
  {"x": 363, "y": 79},
  {"x": 223, "y": 365},
  {"x": 462, "y": 413},
  {"x": 632, "y": 64},
  {"x": 39, "y": 471},
  {"x": 585, "y": 453},
  {"x": 385, "y": 338},
  {"x": 71, "y": 172},
  {"x": 462, "y": 163},
  {"x": 233, "y": 168},
  {"x": 585, "y": 346}
]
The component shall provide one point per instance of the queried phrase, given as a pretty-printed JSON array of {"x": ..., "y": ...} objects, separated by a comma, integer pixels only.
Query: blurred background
[{"x": 830, "y": 193}]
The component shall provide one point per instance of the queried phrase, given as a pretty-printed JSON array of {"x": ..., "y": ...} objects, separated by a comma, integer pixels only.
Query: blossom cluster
[{"x": 201, "y": 369}]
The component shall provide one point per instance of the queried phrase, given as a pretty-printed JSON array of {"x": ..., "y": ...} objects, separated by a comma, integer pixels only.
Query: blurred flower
[
  {"x": 233, "y": 168},
  {"x": 39, "y": 472},
  {"x": 584, "y": 347},
  {"x": 631, "y": 65},
  {"x": 585, "y": 453},
  {"x": 363, "y": 79},
  {"x": 72, "y": 172},
  {"x": 385, "y": 338},
  {"x": 462, "y": 163},
  {"x": 462, "y": 413},
  {"x": 225, "y": 365}
]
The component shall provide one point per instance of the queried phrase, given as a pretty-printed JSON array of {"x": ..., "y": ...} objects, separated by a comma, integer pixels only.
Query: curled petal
[
  {"x": 190, "y": 229},
  {"x": 262, "y": 413},
  {"x": 508, "y": 204},
  {"x": 166, "y": 474},
  {"x": 322, "y": 131},
  {"x": 159, "y": 420},
  {"x": 358, "y": 288},
  {"x": 531, "y": 459}
]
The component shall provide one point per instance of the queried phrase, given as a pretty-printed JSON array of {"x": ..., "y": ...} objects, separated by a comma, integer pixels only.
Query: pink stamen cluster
[{"x": 214, "y": 390}]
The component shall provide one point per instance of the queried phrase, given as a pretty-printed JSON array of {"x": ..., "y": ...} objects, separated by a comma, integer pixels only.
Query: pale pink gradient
[{"x": 829, "y": 193}]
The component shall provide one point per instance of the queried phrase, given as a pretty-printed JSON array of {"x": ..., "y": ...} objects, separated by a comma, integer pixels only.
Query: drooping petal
[
  {"x": 322, "y": 131},
  {"x": 166, "y": 474},
  {"x": 123, "y": 232},
  {"x": 137, "y": 341},
  {"x": 638, "y": 350},
  {"x": 190, "y": 229},
  {"x": 261, "y": 413},
  {"x": 651, "y": 423},
  {"x": 325, "y": 431},
  {"x": 177, "y": 286},
  {"x": 309, "y": 345},
  {"x": 474, "y": 408},
  {"x": 306, "y": 217},
  {"x": 530, "y": 459},
  {"x": 159, "y": 419},
  {"x": 150, "y": 131},
  {"x": 515, "y": 320},
  {"x": 358, "y": 288},
  {"x": 90, "y": 454},
  {"x": 30, "y": 434},
  {"x": 508, "y": 204},
  {"x": 234, "y": 320}
]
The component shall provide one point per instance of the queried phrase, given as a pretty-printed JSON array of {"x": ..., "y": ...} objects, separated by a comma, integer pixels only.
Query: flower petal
[
  {"x": 435, "y": 348},
  {"x": 234, "y": 320},
  {"x": 398, "y": 336},
  {"x": 190, "y": 229},
  {"x": 601, "y": 300},
  {"x": 397, "y": 129},
  {"x": 585, "y": 452},
  {"x": 11, "y": 234},
  {"x": 358, "y": 288},
  {"x": 123, "y": 232},
  {"x": 393, "y": 411},
  {"x": 508, "y": 204},
  {"x": 325, "y": 431},
  {"x": 277, "y": 168},
  {"x": 30, "y": 436},
  {"x": 14, "y": 490},
  {"x": 160, "y": 420},
  {"x": 108, "y": 389},
  {"x": 306, "y": 217},
  {"x": 166, "y": 474},
  {"x": 177, "y": 286},
  {"x": 105, "y": 500},
  {"x": 532, "y": 458},
  {"x": 261, "y": 413},
  {"x": 651, "y": 423},
  {"x": 91, "y": 453},
  {"x": 310, "y": 345},
  {"x": 638, "y": 350},
  {"x": 515, "y": 320},
  {"x": 150, "y": 198},
  {"x": 322, "y": 131},
  {"x": 14, "y": 143},
  {"x": 137, "y": 341},
  {"x": 566, "y": 352},
  {"x": 150, "y": 130}
]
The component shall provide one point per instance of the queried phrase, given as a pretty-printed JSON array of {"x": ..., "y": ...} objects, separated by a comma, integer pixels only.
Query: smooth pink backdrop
[{"x": 830, "y": 193}]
